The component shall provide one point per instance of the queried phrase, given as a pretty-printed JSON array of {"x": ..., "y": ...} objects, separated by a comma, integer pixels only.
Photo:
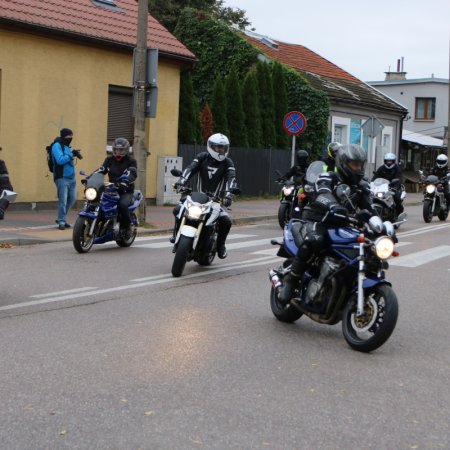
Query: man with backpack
[{"x": 62, "y": 158}]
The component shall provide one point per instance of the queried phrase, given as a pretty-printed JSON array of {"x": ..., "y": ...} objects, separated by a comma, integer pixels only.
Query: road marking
[
  {"x": 417, "y": 259},
  {"x": 423, "y": 230},
  {"x": 69, "y": 291},
  {"x": 164, "y": 279}
]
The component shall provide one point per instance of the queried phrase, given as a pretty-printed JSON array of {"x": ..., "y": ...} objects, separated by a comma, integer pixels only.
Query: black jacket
[
  {"x": 214, "y": 176},
  {"x": 298, "y": 173},
  {"x": 115, "y": 169},
  {"x": 440, "y": 172},
  {"x": 326, "y": 203},
  {"x": 388, "y": 174}
]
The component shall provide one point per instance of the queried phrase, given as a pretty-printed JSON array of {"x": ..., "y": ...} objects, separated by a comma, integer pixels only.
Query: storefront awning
[{"x": 421, "y": 139}]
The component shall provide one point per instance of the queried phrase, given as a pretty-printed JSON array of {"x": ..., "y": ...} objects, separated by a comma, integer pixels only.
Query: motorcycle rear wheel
[
  {"x": 284, "y": 313},
  {"x": 368, "y": 332},
  {"x": 121, "y": 242},
  {"x": 184, "y": 247},
  {"x": 427, "y": 211},
  {"x": 284, "y": 214},
  {"x": 81, "y": 241},
  {"x": 443, "y": 214}
]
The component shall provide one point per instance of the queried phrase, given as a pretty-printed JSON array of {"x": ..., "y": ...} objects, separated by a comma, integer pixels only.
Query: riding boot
[
  {"x": 224, "y": 227},
  {"x": 291, "y": 281}
]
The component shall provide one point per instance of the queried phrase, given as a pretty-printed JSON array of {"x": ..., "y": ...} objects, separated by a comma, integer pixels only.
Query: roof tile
[{"x": 86, "y": 19}]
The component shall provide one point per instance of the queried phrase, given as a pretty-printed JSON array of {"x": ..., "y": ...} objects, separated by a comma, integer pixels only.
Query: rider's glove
[
  {"x": 363, "y": 216},
  {"x": 227, "y": 201},
  {"x": 122, "y": 186}
]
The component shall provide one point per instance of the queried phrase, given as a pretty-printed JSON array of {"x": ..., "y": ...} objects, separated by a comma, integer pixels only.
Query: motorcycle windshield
[
  {"x": 95, "y": 180},
  {"x": 432, "y": 179},
  {"x": 314, "y": 170},
  {"x": 379, "y": 185}
]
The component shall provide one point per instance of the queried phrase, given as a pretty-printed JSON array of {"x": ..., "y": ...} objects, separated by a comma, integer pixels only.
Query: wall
[{"x": 47, "y": 84}]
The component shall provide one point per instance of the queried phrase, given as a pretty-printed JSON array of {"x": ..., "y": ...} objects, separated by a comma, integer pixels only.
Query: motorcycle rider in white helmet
[
  {"x": 217, "y": 176},
  {"x": 390, "y": 171}
]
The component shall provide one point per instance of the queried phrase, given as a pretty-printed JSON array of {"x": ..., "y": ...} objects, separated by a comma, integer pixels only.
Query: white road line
[
  {"x": 417, "y": 259},
  {"x": 423, "y": 230},
  {"x": 168, "y": 279},
  {"x": 70, "y": 291}
]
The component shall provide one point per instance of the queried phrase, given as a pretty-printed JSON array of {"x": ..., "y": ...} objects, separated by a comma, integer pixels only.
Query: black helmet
[
  {"x": 302, "y": 157},
  {"x": 121, "y": 148},
  {"x": 350, "y": 163}
]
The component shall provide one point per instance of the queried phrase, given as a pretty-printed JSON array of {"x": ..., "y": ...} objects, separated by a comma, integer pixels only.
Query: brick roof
[
  {"x": 322, "y": 74},
  {"x": 92, "y": 20}
]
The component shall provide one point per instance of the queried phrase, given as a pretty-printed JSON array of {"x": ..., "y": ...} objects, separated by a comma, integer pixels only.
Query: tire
[
  {"x": 81, "y": 241},
  {"x": 368, "y": 333},
  {"x": 208, "y": 255},
  {"x": 284, "y": 214},
  {"x": 427, "y": 211},
  {"x": 284, "y": 313},
  {"x": 443, "y": 214},
  {"x": 127, "y": 242},
  {"x": 184, "y": 247}
]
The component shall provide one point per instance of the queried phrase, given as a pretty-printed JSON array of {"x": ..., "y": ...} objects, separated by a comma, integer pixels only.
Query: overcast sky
[{"x": 365, "y": 38}]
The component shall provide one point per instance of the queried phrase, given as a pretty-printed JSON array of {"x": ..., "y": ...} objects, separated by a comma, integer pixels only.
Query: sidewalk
[{"x": 38, "y": 227}]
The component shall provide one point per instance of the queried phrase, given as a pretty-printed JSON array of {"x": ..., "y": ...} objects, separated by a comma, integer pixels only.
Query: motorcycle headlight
[
  {"x": 90, "y": 193},
  {"x": 288, "y": 190},
  {"x": 195, "y": 210},
  {"x": 430, "y": 188},
  {"x": 384, "y": 247},
  {"x": 380, "y": 195}
]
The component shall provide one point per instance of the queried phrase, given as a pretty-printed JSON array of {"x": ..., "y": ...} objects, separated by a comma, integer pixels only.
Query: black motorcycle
[
  {"x": 383, "y": 192},
  {"x": 434, "y": 201}
]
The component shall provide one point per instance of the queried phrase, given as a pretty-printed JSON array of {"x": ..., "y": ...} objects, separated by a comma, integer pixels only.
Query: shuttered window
[{"x": 120, "y": 114}]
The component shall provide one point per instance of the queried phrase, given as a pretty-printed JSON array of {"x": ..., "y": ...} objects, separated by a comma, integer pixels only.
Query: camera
[{"x": 77, "y": 153}]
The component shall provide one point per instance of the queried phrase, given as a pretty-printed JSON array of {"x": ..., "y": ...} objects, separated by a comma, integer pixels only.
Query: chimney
[{"x": 399, "y": 75}]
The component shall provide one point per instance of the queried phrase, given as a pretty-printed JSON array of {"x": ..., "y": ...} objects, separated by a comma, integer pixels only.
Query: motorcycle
[
  {"x": 344, "y": 283},
  {"x": 97, "y": 222},
  {"x": 434, "y": 201},
  {"x": 293, "y": 198},
  {"x": 198, "y": 227},
  {"x": 6, "y": 198},
  {"x": 383, "y": 193}
]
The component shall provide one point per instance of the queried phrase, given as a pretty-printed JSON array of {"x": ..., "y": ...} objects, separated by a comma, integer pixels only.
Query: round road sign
[{"x": 294, "y": 123}]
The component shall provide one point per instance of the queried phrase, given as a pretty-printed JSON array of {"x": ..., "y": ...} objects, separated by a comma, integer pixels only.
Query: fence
[{"x": 255, "y": 168}]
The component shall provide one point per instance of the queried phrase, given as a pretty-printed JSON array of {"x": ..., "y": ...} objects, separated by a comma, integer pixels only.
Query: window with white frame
[{"x": 340, "y": 127}]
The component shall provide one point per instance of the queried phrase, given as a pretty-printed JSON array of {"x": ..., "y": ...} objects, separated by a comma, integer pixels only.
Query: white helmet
[
  {"x": 389, "y": 160},
  {"x": 218, "y": 146},
  {"x": 441, "y": 161}
]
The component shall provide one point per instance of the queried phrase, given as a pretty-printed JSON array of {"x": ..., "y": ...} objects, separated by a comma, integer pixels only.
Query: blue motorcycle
[
  {"x": 344, "y": 283},
  {"x": 98, "y": 222}
]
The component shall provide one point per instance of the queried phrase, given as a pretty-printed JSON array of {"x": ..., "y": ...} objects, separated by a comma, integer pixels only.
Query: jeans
[{"x": 67, "y": 196}]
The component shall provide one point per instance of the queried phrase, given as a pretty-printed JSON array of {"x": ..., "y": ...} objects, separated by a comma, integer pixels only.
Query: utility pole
[{"x": 139, "y": 148}]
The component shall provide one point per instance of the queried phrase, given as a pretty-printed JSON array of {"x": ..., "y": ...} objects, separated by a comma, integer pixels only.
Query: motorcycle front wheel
[
  {"x": 80, "y": 238},
  {"x": 184, "y": 247},
  {"x": 284, "y": 214},
  {"x": 371, "y": 330},
  {"x": 427, "y": 210},
  {"x": 284, "y": 313}
]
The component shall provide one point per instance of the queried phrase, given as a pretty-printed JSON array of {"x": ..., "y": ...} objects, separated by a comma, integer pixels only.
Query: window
[{"x": 425, "y": 108}]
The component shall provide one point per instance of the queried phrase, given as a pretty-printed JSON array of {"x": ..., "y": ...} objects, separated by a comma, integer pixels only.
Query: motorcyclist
[
  {"x": 441, "y": 169},
  {"x": 391, "y": 171},
  {"x": 298, "y": 171},
  {"x": 5, "y": 183},
  {"x": 328, "y": 210},
  {"x": 217, "y": 176},
  {"x": 119, "y": 164},
  {"x": 329, "y": 160}
]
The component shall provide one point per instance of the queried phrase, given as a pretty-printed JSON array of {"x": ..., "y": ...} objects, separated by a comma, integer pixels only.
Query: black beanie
[{"x": 65, "y": 132}]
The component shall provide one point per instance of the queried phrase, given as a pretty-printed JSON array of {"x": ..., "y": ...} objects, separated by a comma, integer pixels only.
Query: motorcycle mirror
[
  {"x": 176, "y": 172},
  {"x": 343, "y": 190}
]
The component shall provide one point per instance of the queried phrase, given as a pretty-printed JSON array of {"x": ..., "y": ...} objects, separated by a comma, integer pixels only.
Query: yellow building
[{"x": 69, "y": 64}]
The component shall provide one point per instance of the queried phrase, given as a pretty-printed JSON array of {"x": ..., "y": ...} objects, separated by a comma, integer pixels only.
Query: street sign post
[{"x": 294, "y": 123}]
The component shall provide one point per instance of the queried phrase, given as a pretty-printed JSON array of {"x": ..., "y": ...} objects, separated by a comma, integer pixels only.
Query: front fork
[{"x": 361, "y": 276}]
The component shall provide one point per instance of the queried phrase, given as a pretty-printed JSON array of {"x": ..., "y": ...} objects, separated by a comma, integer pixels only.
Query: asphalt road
[{"x": 107, "y": 351}]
